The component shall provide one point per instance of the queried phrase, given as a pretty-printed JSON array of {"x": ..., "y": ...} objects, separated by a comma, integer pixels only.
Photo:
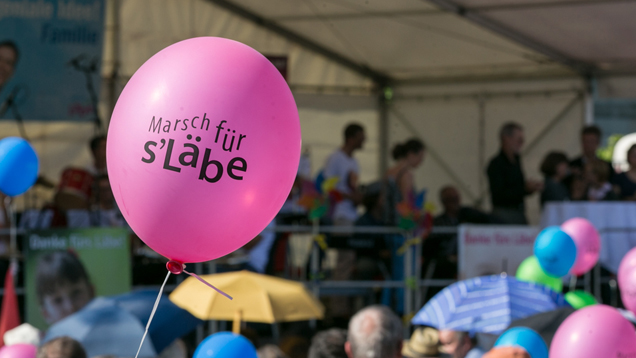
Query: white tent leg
[
  {"x": 589, "y": 102},
  {"x": 383, "y": 127}
]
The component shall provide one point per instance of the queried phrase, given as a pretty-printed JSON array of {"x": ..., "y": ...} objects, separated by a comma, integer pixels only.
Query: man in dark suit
[
  {"x": 443, "y": 247},
  {"x": 508, "y": 185}
]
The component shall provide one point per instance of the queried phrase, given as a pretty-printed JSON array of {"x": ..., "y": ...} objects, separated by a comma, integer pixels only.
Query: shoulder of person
[
  {"x": 576, "y": 162},
  {"x": 334, "y": 158},
  {"x": 494, "y": 162},
  {"x": 405, "y": 175},
  {"x": 335, "y": 154}
]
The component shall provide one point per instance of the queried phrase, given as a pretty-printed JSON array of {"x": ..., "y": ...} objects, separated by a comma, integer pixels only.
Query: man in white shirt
[{"x": 344, "y": 166}]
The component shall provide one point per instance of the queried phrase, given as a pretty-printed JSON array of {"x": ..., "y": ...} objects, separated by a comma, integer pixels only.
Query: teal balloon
[
  {"x": 19, "y": 166},
  {"x": 525, "y": 338},
  {"x": 555, "y": 251},
  {"x": 225, "y": 345}
]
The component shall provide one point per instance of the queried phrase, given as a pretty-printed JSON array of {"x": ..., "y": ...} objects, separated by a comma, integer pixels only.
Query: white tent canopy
[
  {"x": 401, "y": 40},
  {"x": 449, "y": 72}
]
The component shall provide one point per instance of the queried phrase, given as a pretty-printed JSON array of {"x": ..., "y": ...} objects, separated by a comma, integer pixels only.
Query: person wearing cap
[{"x": 424, "y": 343}]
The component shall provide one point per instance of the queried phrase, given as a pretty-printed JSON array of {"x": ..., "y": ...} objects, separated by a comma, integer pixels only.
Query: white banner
[{"x": 488, "y": 250}]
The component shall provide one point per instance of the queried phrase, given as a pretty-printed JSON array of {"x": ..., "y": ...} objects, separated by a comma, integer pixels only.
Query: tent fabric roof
[
  {"x": 403, "y": 39},
  {"x": 594, "y": 32},
  {"x": 446, "y": 40},
  {"x": 348, "y": 42}
]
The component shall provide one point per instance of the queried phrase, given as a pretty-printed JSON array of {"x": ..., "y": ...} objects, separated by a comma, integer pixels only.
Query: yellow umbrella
[{"x": 257, "y": 298}]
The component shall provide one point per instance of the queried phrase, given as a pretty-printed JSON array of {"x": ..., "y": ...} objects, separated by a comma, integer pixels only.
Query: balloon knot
[{"x": 175, "y": 267}]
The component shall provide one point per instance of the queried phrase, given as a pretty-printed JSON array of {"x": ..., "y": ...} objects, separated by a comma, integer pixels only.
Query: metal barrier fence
[{"x": 412, "y": 282}]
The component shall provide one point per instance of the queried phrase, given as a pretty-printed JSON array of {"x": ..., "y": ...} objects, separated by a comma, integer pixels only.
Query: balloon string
[
  {"x": 207, "y": 284},
  {"x": 152, "y": 314}
]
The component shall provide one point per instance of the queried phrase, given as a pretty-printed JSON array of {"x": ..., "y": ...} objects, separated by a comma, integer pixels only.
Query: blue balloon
[
  {"x": 525, "y": 338},
  {"x": 19, "y": 166},
  {"x": 555, "y": 251},
  {"x": 225, "y": 345}
]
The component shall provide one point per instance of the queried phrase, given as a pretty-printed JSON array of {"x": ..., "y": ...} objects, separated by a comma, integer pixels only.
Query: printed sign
[
  {"x": 190, "y": 155},
  {"x": 488, "y": 250},
  {"x": 65, "y": 269}
]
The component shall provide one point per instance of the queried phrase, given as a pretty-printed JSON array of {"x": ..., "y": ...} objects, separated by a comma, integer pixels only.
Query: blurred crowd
[{"x": 374, "y": 331}]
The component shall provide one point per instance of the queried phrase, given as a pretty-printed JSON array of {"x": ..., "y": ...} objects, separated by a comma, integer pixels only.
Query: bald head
[{"x": 374, "y": 332}]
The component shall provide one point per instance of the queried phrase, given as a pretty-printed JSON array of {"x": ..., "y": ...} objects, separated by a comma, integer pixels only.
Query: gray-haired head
[
  {"x": 375, "y": 332},
  {"x": 328, "y": 344},
  {"x": 508, "y": 129}
]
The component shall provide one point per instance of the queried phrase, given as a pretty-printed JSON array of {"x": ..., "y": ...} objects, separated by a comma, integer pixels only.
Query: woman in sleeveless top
[
  {"x": 399, "y": 188},
  {"x": 398, "y": 180}
]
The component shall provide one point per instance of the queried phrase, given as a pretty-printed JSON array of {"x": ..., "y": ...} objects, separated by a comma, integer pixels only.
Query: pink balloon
[
  {"x": 594, "y": 332},
  {"x": 587, "y": 241},
  {"x": 628, "y": 263},
  {"x": 203, "y": 148},
  {"x": 628, "y": 289},
  {"x": 18, "y": 351}
]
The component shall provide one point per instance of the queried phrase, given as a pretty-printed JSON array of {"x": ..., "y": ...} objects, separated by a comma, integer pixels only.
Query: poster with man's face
[
  {"x": 66, "y": 268},
  {"x": 47, "y": 49}
]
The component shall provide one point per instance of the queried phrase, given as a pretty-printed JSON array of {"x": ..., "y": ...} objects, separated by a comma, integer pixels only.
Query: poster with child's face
[{"x": 65, "y": 269}]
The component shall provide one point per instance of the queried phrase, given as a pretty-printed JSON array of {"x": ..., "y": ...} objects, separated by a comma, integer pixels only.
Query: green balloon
[
  {"x": 531, "y": 271},
  {"x": 579, "y": 299}
]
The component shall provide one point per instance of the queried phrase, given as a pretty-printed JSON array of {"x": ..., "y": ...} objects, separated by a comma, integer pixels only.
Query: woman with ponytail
[
  {"x": 399, "y": 188},
  {"x": 399, "y": 178}
]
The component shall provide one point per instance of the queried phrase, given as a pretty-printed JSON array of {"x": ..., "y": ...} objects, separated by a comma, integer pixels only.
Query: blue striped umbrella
[{"x": 487, "y": 304}]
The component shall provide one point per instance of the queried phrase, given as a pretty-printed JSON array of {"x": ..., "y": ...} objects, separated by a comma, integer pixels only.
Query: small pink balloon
[
  {"x": 594, "y": 332},
  {"x": 203, "y": 148},
  {"x": 19, "y": 351},
  {"x": 587, "y": 241},
  {"x": 628, "y": 289},
  {"x": 628, "y": 263}
]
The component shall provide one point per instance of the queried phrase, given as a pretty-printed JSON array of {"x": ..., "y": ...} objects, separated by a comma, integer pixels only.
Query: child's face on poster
[{"x": 68, "y": 298}]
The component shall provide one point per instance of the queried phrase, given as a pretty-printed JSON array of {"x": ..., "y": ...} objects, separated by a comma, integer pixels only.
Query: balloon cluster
[
  {"x": 573, "y": 248},
  {"x": 594, "y": 330}
]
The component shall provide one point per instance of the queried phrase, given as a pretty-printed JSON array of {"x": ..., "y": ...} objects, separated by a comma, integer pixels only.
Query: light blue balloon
[
  {"x": 525, "y": 338},
  {"x": 555, "y": 251},
  {"x": 225, "y": 345},
  {"x": 19, "y": 166}
]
